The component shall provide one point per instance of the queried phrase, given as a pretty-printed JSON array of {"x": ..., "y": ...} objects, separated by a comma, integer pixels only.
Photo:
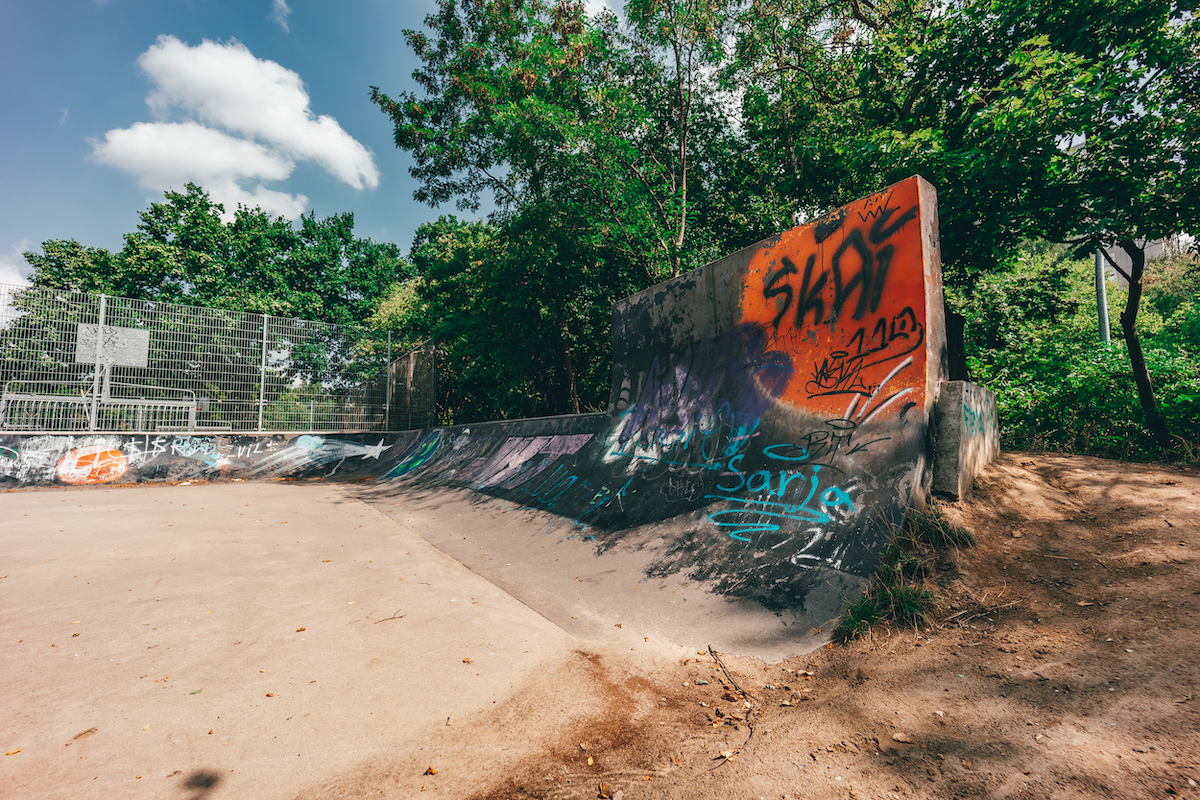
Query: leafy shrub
[
  {"x": 1032, "y": 338},
  {"x": 898, "y": 593}
]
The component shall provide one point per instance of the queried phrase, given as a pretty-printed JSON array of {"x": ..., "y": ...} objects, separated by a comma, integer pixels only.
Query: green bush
[
  {"x": 1032, "y": 338},
  {"x": 898, "y": 593}
]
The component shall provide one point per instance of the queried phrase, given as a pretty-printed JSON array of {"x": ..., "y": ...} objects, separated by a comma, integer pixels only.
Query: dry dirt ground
[{"x": 1061, "y": 662}]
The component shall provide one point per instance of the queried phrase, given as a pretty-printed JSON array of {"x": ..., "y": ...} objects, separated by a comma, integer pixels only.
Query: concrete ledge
[{"x": 966, "y": 437}]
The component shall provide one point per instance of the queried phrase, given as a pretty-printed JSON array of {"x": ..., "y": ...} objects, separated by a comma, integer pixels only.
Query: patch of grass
[
  {"x": 898, "y": 593},
  {"x": 930, "y": 527}
]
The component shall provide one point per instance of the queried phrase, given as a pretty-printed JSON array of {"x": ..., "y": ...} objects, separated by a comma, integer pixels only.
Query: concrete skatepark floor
[{"x": 351, "y": 658}]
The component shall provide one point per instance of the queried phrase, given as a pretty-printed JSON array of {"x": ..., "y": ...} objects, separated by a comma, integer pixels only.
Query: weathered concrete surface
[
  {"x": 967, "y": 439},
  {"x": 263, "y": 640},
  {"x": 585, "y": 590},
  {"x": 770, "y": 424}
]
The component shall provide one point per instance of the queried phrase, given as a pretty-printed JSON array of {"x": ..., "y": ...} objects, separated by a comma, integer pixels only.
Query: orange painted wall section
[{"x": 845, "y": 296}]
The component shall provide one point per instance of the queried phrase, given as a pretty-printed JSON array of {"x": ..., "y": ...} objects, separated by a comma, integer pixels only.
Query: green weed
[{"x": 898, "y": 594}]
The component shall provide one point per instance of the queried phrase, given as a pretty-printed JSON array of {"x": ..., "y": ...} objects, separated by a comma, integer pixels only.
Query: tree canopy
[
  {"x": 184, "y": 252},
  {"x": 622, "y": 152}
]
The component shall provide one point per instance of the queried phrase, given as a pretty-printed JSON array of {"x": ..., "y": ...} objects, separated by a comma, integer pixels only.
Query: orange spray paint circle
[{"x": 95, "y": 464}]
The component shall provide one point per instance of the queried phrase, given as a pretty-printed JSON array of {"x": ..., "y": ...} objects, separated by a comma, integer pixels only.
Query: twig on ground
[
  {"x": 980, "y": 613},
  {"x": 750, "y": 699},
  {"x": 724, "y": 669},
  {"x": 397, "y": 615}
]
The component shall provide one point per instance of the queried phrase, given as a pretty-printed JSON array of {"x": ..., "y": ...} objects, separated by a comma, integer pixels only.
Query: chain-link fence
[{"x": 71, "y": 361}]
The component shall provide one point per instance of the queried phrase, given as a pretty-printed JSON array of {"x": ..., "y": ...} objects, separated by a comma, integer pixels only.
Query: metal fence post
[
  {"x": 262, "y": 375},
  {"x": 387, "y": 403},
  {"x": 94, "y": 417}
]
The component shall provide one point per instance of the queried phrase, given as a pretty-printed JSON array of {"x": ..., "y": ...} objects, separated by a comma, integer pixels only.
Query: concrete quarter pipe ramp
[{"x": 770, "y": 420}]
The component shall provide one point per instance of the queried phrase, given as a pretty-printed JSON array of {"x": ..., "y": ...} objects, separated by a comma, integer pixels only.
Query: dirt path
[{"x": 1062, "y": 665}]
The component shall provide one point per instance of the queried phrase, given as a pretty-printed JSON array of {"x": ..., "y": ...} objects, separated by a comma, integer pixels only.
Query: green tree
[
  {"x": 183, "y": 252},
  {"x": 605, "y": 151},
  {"x": 1031, "y": 333},
  {"x": 606, "y": 129}
]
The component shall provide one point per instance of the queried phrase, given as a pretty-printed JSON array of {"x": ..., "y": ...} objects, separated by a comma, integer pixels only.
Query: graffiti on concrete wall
[
  {"x": 854, "y": 314},
  {"x": 115, "y": 458},
  {"x": 419, "y": 452},
  {"x": 770, "y": 417},
  {"x": 968, "y": 436},
  {"x": 779, "y": 445},
  {"x": 724, "y": 382},
  {"x": 980, "y": 416},
  {"x": 93, "y": 464}
]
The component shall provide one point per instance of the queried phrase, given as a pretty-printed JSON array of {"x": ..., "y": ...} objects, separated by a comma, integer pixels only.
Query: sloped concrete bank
[{"x": 770, "y": 422}]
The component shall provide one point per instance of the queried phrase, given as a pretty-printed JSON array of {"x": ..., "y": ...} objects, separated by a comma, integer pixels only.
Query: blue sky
[{"x": 108, "y": 103}]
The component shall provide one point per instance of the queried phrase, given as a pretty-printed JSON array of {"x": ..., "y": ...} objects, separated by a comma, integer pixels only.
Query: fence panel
[{"x": 76, "y": 361}]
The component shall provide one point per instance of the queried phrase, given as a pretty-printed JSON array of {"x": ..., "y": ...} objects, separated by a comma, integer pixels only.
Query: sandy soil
[{"x": 1060, "y": 663}]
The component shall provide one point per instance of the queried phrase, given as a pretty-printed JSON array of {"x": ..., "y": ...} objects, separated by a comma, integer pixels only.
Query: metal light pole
[{"x": 1102, "y": 298}]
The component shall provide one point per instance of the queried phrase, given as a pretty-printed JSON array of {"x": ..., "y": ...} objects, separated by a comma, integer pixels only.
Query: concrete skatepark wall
[
  {"x": 771, "y": 418},
  {"x": 967, "y": 439}
]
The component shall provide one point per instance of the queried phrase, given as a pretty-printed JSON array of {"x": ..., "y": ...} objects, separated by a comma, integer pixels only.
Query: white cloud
[
  {"x": 152, "y": 151},
  {"x": 246, "y": 120},
  {"x": 13, "y": 266},
  {"x": 280, "y": 12},
  {"x": 66, "y": 113},
  {"x": 594, "y": 8},
  {"x": 225, "y": 85}
]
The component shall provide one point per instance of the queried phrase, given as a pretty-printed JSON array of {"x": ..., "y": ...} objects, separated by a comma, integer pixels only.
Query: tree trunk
[
  {"x": 956, "y": 348},
  {"x": 573, "y": 393},
  {"x": 1141, "y": 376}
]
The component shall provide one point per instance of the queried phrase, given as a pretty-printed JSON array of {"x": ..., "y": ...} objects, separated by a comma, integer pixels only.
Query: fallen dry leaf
[
  {"x": 466, "y": 661},
  {"x": 14, "y": 752},
  {"x": 270, "y": 694},
  {"x": 590, "y": 761},
  {"x": 903, "y": 738},
  {"x": 300, "y": 629},
  {"x": 727, "y": 754},
  {"x": 430, "y": 771}
]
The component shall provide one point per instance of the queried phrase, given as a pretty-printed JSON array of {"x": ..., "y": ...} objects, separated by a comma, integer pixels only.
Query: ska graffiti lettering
[{"x": 868, "y": 281}]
